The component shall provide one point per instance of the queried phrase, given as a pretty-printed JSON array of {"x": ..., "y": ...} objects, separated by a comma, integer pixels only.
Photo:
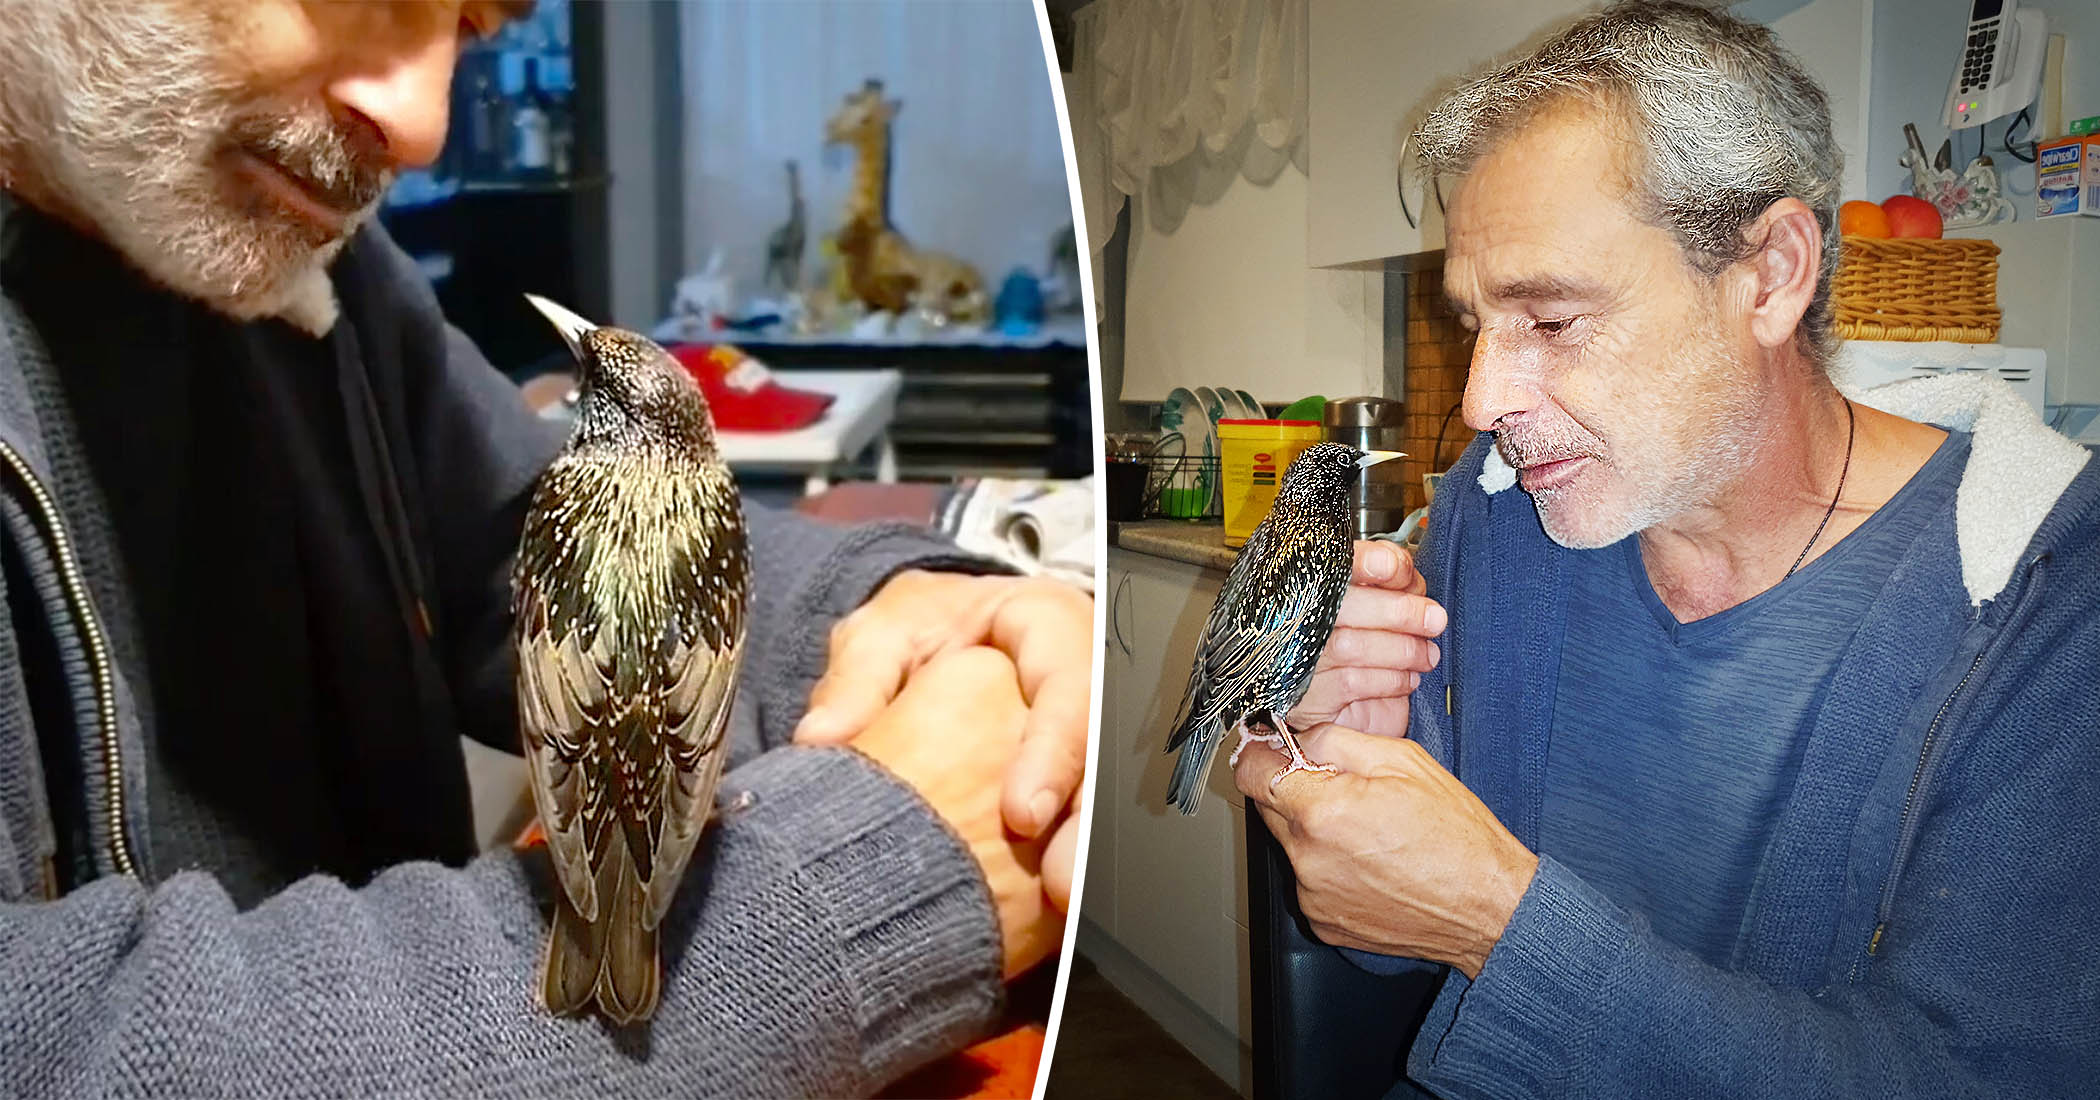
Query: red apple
[{"x": 1911, "y": 217}]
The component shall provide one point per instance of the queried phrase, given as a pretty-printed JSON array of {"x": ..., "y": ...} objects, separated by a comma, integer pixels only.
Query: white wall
[
  {"x": 631, "y": 104},
  {"x": 1833, "y": 39},
  {"x": 1224, "y": 297},
  {"x": 977, "y": 166}
]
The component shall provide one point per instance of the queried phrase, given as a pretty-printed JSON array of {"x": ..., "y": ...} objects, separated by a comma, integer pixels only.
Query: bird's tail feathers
[
  {"x": 569, "y": 975},
  {"x": 628, "y": 986},
  {"x": 612, "y": 960},
  {"x": 1196, "y": 708},
  {"x": 1197, "y": 737}
]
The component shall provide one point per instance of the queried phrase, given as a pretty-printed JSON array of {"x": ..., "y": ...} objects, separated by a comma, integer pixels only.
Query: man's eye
[{"x": 1553, "y": 327}]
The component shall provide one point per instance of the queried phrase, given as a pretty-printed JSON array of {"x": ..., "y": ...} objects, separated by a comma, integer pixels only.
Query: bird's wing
[
  {"x": 709, "y": 587},
  {"x": 696, "y": 717},
  {"x": 1275, "y": 591},
  {"x": 562, "y": 701},
  {"x": 1209, "y": 693}
]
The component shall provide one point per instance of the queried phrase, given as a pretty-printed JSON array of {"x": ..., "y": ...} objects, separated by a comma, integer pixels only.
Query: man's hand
[
  {"x": 1044, "y": 627},
  {"x": 951, "y": 734},
  {"x": 1392, "y": 854},
  {"x": 1379, "y": 649}
]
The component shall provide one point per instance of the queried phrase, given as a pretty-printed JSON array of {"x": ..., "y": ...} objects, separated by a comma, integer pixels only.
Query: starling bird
[
  {"x": 630, "y": 590},
  {"x": 1265, "y": 633}
]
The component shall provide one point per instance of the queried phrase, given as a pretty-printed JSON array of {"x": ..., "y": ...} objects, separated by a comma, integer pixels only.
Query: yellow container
[{"x": 1253, "y": 456}]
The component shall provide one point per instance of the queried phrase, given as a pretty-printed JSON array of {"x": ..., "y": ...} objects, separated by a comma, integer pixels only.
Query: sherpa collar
[{"x": 2017, "y": 467}]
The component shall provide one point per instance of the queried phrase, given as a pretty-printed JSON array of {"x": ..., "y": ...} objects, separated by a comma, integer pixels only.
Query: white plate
[
  {"x": 1188, "y": 414},
  {"x": 1213, "y": 406},
  {"x": 1214, "y": 403}
]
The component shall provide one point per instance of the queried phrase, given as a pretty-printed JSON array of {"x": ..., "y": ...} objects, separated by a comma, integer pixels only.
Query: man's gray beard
[
  {"x": 1731, "y": 434},
  {"x": 135, "y": 156}
]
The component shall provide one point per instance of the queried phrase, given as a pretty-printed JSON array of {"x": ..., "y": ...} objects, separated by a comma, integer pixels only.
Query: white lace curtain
[{"x": 1161, "y": 89}]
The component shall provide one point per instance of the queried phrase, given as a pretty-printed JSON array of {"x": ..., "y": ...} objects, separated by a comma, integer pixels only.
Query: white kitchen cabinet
[
  {"x": 1374, "y": 67},
  {"x": 1169, "y": 890},
  {"x": 1099, "y": 901}
]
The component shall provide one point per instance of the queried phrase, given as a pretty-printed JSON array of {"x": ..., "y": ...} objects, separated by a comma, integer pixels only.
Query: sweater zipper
[
  {"x": 98, "y": 656},
  {"x": 1904, "y": 836}
]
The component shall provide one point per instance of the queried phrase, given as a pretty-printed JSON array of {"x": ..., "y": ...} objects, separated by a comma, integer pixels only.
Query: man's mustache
[
  {"x": 318, "y": 155},
  {"x": 1523, "y": 451}
]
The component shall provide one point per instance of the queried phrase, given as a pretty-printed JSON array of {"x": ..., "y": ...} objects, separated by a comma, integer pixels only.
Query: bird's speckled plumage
[
  {"x": 1264, "y": 634},
  {"x": 630, "y": 593}
]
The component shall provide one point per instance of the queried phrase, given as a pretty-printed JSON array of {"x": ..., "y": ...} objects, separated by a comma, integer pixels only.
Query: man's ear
[{"x": 1784, "y": 269}]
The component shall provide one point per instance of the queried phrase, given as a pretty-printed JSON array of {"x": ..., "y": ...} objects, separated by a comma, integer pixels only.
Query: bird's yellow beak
[
  {"x": 1373, "y": 458},
  {"x": 566, "y": 322}
]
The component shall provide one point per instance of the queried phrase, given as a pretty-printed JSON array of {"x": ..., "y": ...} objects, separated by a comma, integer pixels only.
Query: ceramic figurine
[
  {"x": 784, "y": 247},
  {"x": 882, "y": 268},
  {"x": 1970, "y": 199}
]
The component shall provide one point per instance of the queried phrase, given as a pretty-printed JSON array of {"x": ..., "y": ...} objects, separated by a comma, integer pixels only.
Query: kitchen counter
[{"x": 1196, "y": 543}]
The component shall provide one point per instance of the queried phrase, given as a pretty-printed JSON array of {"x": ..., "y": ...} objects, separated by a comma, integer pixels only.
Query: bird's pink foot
[
  {"x": 1247, "y": 737},
  {"x": 1298, "y": 762}
]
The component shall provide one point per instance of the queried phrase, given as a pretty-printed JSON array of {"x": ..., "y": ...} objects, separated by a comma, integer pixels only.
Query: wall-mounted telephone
[{"x": 2000, "y": 68}]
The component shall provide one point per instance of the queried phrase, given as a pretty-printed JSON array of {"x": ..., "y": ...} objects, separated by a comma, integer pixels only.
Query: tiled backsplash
[{"x": 1438, "y": 350}]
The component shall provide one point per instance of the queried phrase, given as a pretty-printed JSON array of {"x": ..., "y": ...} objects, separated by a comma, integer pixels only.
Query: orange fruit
[
  {"x": 1860, "y": 218},
  {"x": 1911, "y": 217}
]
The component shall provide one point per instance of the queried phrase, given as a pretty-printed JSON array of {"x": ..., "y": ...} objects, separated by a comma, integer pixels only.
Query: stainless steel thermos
[{"x": 1378, "y": 501}]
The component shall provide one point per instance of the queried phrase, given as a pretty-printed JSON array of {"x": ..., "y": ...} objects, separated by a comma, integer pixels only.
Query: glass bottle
[
  {"x": 561, "y": 116},
  {"x": 531, "y": 145},
  {"x": 487, "y": 127}
]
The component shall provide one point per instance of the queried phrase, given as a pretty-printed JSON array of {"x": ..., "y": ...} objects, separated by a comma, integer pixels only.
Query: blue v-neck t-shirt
[{"x": 1675, "y": 745}]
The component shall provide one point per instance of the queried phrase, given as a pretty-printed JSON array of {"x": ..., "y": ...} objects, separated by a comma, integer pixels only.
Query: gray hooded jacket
[{"x": 165, "y": 939}]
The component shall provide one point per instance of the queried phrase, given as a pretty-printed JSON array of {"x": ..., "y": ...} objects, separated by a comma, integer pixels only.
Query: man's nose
[
  {"x": 1501, "y": 382},
  {"x": 402, "y": 100}
]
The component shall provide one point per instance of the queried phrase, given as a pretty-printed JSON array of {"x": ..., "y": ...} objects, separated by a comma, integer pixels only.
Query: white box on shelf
[{"x": 1871, "y": 363}]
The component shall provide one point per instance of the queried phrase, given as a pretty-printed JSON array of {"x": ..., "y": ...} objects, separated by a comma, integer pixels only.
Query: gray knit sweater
[{"x": 832, "y": 935}]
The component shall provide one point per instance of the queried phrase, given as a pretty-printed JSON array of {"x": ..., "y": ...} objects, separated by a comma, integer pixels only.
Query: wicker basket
[{"x": 1917, "y": 289}]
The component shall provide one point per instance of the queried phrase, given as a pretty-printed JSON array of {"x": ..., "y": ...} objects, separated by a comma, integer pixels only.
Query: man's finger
[
  {"x": 1057, "y": 863},
  {"x": 1334, "y": 689},
  {"x": 1049, "y": 634},
  {"x": 866, "y": 669},
  {"x": 1381, "y": 564},
  {"x": 1355, "y": 647},
  {"x": 1251, "y": 773},
  {"x": 1361, "y": 753},
  {"x": 1377, "y": 609},
  {"x": 1052, "y": 762},
  {"x": 1256, "y": 776}
]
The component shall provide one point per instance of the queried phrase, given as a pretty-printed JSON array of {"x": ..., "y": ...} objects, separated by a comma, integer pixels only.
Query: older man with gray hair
[
  {"x": 1761, "y": 752},
  {"x": 258, "y": 505}
]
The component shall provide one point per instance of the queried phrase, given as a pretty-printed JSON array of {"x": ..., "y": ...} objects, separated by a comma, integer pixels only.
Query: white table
[{"x": 863, "y": 404}]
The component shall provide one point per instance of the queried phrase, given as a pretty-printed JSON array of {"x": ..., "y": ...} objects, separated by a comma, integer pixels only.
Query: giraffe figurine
[
  {"x": 882, "y": 268},
  {"x": 784, "y": 248}
]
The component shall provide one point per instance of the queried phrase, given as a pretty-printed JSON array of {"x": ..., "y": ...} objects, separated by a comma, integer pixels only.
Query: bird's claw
[
  {"x": 1283, "y": 743},
  {"x": 1274, "y": 741},
  {"x": 1298, "y": 763},
  {"x": 731, "y": 808}
]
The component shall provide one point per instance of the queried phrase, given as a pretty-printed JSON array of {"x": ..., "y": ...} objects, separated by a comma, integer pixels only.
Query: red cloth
[
  {"x": 742, "y": 393},
  {"x": 1000, "y": 1068}
]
